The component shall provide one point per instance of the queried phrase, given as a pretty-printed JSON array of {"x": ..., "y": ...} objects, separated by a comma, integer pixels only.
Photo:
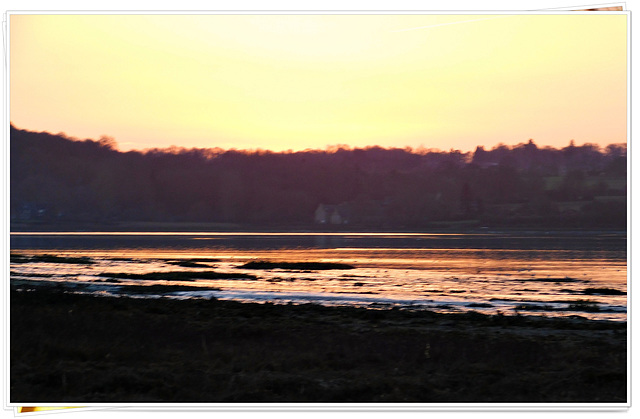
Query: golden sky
[{"x": 283, "y": 82}]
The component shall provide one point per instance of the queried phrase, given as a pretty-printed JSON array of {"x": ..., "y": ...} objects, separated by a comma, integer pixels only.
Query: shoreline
[{"x": 78, "y": 348}]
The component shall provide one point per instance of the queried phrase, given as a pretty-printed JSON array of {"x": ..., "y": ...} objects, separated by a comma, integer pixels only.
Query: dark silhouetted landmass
[{"x": 59, "y": 182}]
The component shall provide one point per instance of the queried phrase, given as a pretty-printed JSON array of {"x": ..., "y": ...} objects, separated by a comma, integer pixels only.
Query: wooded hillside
[{"x": 57, "y": 179}]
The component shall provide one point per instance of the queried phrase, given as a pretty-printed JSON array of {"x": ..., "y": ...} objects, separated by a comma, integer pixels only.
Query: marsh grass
[
  {"x": 556, "y": 280},
  {"x": 18, "y": 258},
  {"x": 29, "y": 275},
  {"x": 192, "y": 263},
  {"x": 78, "y": 348},
  {"x": 161, "y": 289},
  {"x": 305, "y": 266},
  {"x": 177, "y": 275},
  {"x": 535, "y": 307},
  {"x": 584, "y": 305},
  {"x": 603, "y": 291}
]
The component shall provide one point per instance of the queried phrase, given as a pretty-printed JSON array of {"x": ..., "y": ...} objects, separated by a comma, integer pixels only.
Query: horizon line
[{"x": 327, "y": 148}]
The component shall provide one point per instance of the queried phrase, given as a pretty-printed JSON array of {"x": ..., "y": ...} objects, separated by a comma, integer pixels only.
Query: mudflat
[{"x": 86, "y": 349}]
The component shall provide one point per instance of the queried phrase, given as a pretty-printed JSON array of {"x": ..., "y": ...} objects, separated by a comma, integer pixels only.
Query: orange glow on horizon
[{"x": 281, "y": 82}]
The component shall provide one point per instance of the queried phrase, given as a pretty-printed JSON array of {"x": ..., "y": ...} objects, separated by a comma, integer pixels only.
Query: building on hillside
[{"x": 333, "y": 214}]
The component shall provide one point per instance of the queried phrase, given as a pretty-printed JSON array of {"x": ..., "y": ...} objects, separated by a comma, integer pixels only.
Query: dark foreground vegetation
[
  {"x": 75, "y": 348},
  {"x": 61, "y": 183}
]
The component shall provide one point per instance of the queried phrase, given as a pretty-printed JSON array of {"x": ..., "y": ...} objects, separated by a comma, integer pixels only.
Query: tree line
[{"x": 57, "y": 179}]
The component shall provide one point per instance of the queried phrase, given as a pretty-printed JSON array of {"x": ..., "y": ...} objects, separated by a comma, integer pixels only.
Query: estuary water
[{"x": 528, "y": 272}]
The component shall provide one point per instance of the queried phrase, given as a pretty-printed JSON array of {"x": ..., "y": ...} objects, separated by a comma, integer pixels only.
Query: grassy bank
[{"x": 73, "y": 348}]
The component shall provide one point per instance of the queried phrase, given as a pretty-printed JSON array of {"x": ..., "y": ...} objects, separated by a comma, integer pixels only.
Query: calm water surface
[{"x": 533, "y": 273}]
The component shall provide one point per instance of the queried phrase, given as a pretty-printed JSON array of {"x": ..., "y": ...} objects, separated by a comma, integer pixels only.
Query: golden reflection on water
[{"x": 498, "y": 278}]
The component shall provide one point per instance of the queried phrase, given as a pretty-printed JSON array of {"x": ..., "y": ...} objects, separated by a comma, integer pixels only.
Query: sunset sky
[{"x": 283, "y": 82}]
